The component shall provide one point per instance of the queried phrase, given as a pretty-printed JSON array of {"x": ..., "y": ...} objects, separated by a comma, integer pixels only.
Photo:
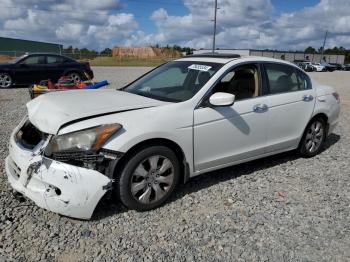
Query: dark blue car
[{"x": 32, "y": 68}]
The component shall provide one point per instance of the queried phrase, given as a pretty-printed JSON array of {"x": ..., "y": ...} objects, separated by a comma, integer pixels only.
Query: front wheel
[
  {"x": 313, "y": 138},
  {"x": 148, "y": 178},
  {"x": 5, "y": 80}
]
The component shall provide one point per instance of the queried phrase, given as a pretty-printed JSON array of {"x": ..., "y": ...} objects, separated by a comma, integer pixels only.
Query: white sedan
[
  {"x": 182, "y": 119},
  {"x": 318, "y": 67}
]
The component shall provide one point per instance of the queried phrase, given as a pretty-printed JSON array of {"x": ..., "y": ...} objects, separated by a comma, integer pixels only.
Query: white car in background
[
  {"x": 184, "y": 118},
  {"x": 318, "y": 67}
]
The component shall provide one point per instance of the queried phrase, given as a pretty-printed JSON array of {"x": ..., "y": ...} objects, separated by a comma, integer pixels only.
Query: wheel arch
[
  {"x": 318, "y": 115},
  {"x": 322, "y": 116},
  {"x": 185, "y": 174},
  {"x": 6, "y": 71},
  {"x": 73, "y": 70}
]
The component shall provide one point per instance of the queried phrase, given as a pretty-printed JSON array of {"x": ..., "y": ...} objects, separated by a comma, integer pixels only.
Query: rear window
[
  {"x": 54, "y": 60},
  {"x": 284, "y": 78}
]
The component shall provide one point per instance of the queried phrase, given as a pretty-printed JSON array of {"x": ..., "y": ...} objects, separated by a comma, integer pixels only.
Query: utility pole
[
  {"x": 324, "y": 43},
  {"x": 214, "y": 31}
]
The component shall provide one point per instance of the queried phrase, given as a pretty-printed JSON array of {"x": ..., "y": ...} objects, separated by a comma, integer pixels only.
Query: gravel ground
[{"x": 280, "y": 208}]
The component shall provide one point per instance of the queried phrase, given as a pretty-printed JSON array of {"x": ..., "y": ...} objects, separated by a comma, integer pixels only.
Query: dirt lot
[{"x": 280, "y": 208}]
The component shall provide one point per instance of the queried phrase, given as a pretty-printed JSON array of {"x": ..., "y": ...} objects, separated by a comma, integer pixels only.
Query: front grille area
[
  {"x": 66, "y": 156},
  {"x": 29, "y": 136}
]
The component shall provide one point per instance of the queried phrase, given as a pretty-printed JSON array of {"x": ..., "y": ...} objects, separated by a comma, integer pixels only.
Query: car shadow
[{"x": 108, "y": 207}]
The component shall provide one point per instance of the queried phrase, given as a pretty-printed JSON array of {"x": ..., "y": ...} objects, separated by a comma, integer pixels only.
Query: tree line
[
  {"x": 330, "y": 51},
  {"x": 87, "y": 53}
]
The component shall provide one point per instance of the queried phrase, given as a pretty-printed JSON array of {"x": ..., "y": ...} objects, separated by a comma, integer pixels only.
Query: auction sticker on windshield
[{"x": 199, "y": 67}]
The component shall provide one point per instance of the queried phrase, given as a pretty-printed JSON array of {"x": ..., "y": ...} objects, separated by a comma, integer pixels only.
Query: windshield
[
  {"x": 14, "y": 61},
  {"x": 176, "y": 81}
]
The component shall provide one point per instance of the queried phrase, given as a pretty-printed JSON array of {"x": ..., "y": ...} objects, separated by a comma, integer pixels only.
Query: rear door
[
  {"x": 55, "y": 67},
  {"x": 291, "y": 101}
]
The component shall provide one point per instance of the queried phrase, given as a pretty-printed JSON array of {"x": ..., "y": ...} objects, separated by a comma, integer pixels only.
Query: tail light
[{"x": 336, "y": 96}]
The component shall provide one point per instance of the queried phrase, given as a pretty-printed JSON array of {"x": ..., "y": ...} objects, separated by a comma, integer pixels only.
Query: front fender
[{"x": 183, "y": 138}]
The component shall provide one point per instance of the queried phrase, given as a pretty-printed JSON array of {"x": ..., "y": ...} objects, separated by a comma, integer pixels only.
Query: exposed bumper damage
[{"x": 56, "y": 186}]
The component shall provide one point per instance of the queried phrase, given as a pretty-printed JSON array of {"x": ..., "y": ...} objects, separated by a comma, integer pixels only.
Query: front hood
[{"x": 50, "y": 111}]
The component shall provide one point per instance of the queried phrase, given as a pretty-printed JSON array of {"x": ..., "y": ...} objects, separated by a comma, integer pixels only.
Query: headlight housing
[{"x": 91, "y": 139}]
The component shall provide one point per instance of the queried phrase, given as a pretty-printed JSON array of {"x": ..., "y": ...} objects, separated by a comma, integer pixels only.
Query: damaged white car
[{"x": 184, "y": 118}]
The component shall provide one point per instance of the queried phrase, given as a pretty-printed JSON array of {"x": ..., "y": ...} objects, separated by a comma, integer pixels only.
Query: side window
[
  {"x": 34, "y": 60},
  {"x": 304, "y": 81},
  {"x": 54, "y": 60},
  {"x": 242, "y": 81},
  {"x": 282, "y": 78}
]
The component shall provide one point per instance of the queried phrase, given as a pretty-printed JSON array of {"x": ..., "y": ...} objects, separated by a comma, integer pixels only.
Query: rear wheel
[
  {"x": 75, "y": 76},
  {"x": 148, "y": 178},
  {"x": 5, "y": 80},
  {"x": 313, "y": 138}
]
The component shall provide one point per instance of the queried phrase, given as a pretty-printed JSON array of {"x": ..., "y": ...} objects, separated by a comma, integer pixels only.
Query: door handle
[
  {"x": 308, "y": 98},
  {"x": 260, "y": 108}
]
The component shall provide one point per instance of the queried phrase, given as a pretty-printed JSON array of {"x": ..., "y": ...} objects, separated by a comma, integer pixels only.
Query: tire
[
  {"x": 313, "y": 139},
  {"x": 5, "y": 80},
  {"x": 75, "y": 76},
  {"x": 142, "y": 184}
]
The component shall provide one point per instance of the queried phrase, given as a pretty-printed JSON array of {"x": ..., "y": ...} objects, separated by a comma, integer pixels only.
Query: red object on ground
[{"x": 64, "y": 83}]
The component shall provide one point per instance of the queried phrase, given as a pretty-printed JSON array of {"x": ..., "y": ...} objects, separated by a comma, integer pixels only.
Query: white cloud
[
  {"x": 84, "y": 23},
  {"x": 252, "y": 24},
  {"x": 241, "y": 24}
]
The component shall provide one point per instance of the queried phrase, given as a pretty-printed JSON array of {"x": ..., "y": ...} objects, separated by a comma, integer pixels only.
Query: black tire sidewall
[
  {"x": 303, "y": 151},
  {"x": 123, "y": 184}
]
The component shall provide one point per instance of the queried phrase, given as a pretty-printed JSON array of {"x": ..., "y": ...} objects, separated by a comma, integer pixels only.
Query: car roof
[
  {"x": 48, "y": 53},
  {"x": 224, "y": 59},
  {"x": 42, "y": 53}
]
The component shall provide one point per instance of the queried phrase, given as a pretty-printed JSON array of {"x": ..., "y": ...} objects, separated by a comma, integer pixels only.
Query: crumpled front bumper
[{"x": 59, "y": 187}]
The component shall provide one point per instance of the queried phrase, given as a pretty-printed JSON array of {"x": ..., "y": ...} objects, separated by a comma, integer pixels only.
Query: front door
[
  {"x": 31, "y": 70},
  {"x": 229, "y": 134}
]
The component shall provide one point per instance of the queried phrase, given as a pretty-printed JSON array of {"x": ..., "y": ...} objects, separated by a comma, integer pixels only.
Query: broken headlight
[{"x": 91, "y": 139}]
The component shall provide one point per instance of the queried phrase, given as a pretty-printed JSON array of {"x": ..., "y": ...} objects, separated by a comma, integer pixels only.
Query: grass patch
[{"x": 128, "y": 61}]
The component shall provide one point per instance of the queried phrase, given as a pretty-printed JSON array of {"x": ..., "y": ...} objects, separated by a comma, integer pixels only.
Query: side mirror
[{"x": 221, "y": 99}]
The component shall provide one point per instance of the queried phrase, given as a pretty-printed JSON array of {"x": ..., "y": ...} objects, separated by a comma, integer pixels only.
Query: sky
[{"x": 97, "y": 24}]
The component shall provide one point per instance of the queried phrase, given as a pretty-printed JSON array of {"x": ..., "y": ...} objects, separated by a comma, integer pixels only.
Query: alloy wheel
[
  {"x": 314, "y": 137},
  {"x": 152, "y": 179},
  {"x": 75, "y": 76},
  {"x": 5, "y": 80}
]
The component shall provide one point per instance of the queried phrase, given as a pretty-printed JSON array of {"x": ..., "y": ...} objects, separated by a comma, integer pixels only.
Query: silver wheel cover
[
  {"x": 314, "y": 137},
  {"x": 152, "y": 179},
  {"x": 5, "y": 80}
]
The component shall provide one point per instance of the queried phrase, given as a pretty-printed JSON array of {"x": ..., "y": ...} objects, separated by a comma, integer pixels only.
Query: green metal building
[{"x": 16, "y": 47}]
